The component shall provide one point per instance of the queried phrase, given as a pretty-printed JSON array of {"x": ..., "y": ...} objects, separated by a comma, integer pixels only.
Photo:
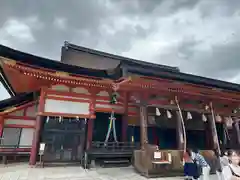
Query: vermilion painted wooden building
[{"x": 67, "y": 105}]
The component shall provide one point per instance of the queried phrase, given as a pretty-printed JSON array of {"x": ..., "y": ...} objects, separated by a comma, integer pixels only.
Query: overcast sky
[{"x": 199, "y": 36}]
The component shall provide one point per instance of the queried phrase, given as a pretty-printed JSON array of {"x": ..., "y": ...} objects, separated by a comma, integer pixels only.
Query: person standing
[
  {"x": 232, "y": 171},
  {"x": 200, "y": 160},
  {"x": 221, "y": 162},
  {"x": 189, "y": 170}
]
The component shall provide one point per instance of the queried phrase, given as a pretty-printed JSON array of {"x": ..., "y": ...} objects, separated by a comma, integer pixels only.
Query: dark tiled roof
[
  {"x": 41, "y": 62},
  {"x": 133, "y": 62},
  {"x": 129, "y": 65},
  {"x": 155, "y": 70},
  {"x": 17, "y": 100},
  {"x": 47, "y": 63}
]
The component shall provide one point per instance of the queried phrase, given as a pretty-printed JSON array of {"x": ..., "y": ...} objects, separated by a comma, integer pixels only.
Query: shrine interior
[
  {"x": 64, "y": 138},
  {"x": 101, "y": 125}
]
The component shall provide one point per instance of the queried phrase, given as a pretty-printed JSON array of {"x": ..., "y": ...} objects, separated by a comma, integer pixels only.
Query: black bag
[
  {"x": 197, "y": 169},
  {"x": 233, "y": 173}
]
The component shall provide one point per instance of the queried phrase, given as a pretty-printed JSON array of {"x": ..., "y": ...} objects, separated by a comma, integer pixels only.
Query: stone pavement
[{"x": 24, "y": 172}]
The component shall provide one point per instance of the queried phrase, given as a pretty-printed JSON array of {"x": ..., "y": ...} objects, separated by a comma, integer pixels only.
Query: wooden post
[
  {"x": 213, "y": 130},
  {"x": 237, "y": 132},
  {"x": 36, "y": 141},
  {"x": 142, "y": 103},
  {"x": 143, "y": 126},
  {"x": 180, "y": 138},
  {"x": 125, "y": 118}
]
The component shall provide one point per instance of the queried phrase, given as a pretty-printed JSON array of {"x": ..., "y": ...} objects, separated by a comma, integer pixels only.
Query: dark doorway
[
  {"x": 101, "y": 124},
  {"x": 64, "y": 139},
  {"x": 195, "y": 130},
  {"x": 223, "y": 134},
  {"x": 166, "y": 130}
]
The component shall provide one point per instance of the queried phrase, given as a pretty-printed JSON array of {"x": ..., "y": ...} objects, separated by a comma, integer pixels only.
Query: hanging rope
[
  {"x": 114, "y": 128},
  {"x": 132, "y": 137},
  {"x": 183, "y": 125},
  {"x": 111, "y": 127},
  {"x": 47, "y": 120},
  {"x": 60, "y": 119},
  {"x": 226, "y": 134},
  {"x": 108, "y": 133}
]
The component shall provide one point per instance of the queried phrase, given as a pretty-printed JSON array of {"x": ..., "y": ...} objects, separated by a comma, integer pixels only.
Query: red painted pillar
[
  {"x": 89, "y": 132},
  {"x": 35, "y": 143},
  {"x": 125, "y": 118},
  {"x": 1, "y": 125},
  {"x": 38, "y": 124},
  {"x": 90, "y": 122}
]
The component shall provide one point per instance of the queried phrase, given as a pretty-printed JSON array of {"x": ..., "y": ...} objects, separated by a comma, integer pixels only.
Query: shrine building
[{"x": 93, "y": 105}]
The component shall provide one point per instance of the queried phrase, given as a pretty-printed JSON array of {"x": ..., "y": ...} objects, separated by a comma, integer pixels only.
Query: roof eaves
[
  {"x": 40, "y": 62},
  {"x": 68, "y": 45},
  {"x": 188, "y": 78},
  {"x": 16, "y": 100}
]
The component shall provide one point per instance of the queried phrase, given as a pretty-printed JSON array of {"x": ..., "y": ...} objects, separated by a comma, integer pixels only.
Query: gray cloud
[
  {"x": 199, "y": 36},
  {"x": 221, "y": 62}
]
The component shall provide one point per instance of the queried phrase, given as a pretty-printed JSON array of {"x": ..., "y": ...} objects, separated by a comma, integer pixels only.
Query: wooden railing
[
  {"x": 14, "y": 151},
  {"x": 115, "y": 146}
]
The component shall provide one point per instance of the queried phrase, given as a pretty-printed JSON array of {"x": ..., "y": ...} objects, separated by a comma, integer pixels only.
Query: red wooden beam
[
  {"x": 195, "y": 88},
  {"x": 10, "y": 110},
  {"x": 1, "y": 125},
  {"x": 163, "y": 89},
  {"x": 19, "y": 126},
  {"x": 27, "y": 118}
]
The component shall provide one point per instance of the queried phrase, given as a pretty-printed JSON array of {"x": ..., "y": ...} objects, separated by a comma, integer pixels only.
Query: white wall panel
[
  {"x": 80, "y": 90},
  {"x": 99, "y": 100},
  {"x": 68, "y": 107},
  {"x": 108, "y": 106},
  {"x": 103, "y": 93},
  {"x": 19, "y": 122},
  {"x": 60, "y": 87},
  {"x": 26, "y": 137}
]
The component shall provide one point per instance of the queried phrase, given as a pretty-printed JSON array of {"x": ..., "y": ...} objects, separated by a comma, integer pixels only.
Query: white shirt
[
  {"x": 224, "y": 161},
  {"x": 227, "y": 173}
]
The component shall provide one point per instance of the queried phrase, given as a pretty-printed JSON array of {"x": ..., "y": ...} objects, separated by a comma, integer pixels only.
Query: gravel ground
[{"x": 24, "y": 172}]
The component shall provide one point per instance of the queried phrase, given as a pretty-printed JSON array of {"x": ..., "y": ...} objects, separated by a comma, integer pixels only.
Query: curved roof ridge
[{"x": 68, "y": 45}]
